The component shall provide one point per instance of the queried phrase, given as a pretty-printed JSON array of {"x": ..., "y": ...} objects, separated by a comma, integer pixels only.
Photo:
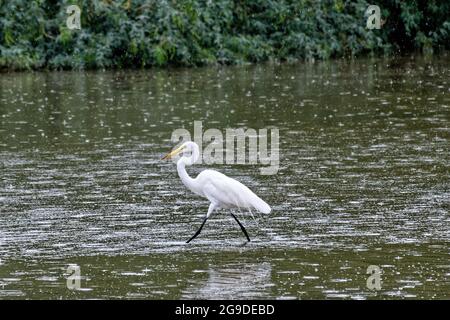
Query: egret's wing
[{"x": 229, "y": 192}]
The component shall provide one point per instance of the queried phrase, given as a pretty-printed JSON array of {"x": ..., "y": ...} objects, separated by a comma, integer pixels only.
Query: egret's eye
[{"x": 187, "y": 152}]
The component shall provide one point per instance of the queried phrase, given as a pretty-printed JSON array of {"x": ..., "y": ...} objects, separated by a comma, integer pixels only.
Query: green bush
[{"x": 143, "y": 33}]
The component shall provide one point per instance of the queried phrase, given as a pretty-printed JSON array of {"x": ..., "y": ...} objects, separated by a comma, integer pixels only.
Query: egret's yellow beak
[{"x": 173, "y": 153}]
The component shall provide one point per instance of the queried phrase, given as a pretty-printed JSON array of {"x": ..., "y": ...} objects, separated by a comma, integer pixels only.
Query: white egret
[{"x": 220, "y": 190}]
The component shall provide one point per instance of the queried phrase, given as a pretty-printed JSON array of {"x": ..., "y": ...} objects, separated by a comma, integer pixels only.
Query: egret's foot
[{"x": 243, "y": 244}]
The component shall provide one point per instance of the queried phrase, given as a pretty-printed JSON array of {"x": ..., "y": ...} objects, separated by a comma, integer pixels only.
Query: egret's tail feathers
[{"x": 261, "y": 205}]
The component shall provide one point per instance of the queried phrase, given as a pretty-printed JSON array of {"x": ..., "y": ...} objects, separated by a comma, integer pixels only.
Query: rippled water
[{"x": 363, "y": 180}]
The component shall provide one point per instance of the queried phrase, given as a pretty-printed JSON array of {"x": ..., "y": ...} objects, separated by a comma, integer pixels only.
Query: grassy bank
[{"x": 145, "y": 33}]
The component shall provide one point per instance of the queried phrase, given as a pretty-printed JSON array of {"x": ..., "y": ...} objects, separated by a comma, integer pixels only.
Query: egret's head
[{"x": 189, "y": 148}]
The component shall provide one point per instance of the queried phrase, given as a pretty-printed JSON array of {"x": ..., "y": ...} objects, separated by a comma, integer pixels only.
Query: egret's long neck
[
  {"x": 184, "y": 176},
  {"x": 190, "y": 183}
]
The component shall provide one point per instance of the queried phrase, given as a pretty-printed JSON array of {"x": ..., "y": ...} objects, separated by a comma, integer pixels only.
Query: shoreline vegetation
[{"x": 148, "y": 33}]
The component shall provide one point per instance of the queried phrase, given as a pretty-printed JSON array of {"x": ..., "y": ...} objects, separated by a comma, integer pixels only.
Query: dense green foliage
[{"x": 141, "y": 33}]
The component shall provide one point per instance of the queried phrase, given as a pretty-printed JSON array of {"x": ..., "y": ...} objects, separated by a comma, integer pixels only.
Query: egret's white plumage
[
  {"x": 220, "y": 190},
  {"x": 226, "y": 192}
]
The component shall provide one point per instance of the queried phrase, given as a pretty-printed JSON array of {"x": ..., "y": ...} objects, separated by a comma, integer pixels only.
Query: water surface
[{"x": 363, "y": 180}]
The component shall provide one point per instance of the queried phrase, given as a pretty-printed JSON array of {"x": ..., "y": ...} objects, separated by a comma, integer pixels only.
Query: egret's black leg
[
  {"x": 212, "y": 207},
  {"x": 242, "y": 227},
  {"x": 198, "y": 231}
]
